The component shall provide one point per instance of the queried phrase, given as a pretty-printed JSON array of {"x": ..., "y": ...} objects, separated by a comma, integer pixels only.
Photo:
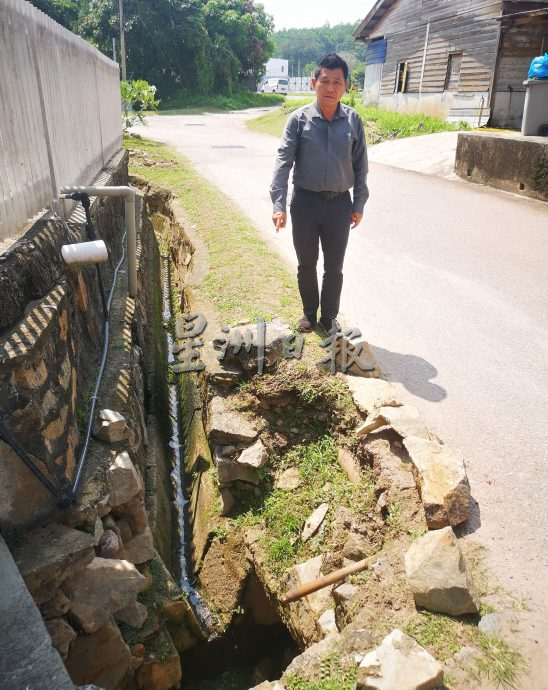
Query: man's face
[{"x": 330, "y": 87}]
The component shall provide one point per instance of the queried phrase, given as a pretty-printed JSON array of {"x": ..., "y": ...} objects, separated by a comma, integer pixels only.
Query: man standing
[{"x": 325, "y": 141}]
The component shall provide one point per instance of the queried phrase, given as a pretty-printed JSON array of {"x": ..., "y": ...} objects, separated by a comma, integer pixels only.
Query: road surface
[{"x": 448, "y": 282}]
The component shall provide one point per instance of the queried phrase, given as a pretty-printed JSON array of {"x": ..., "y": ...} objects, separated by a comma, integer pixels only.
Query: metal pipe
[
  {"x": 325, "y": 581},
  {"x": 128, "y": 195}
]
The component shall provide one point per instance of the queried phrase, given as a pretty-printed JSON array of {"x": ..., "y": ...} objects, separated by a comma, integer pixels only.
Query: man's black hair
[{"x": 331, "y": 61}]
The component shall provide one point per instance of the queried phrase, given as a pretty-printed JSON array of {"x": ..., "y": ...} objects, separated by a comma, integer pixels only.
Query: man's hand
[
  {"x": 355, "y": 219},
  {"x": 279, "y": 218}
]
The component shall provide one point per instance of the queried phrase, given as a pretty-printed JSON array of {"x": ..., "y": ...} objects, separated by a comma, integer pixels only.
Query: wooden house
[{"x": 458, "y": 59}]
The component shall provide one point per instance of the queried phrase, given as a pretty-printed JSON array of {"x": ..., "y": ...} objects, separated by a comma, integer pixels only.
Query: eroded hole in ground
[{"x": 255, "y": 647}]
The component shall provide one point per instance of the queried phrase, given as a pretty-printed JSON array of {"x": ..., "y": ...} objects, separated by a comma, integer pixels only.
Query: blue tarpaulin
[{"x": 376, "y": 52}]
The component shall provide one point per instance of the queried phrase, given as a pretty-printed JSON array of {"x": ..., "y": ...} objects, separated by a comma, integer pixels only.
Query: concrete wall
[
  {"x": 509, "y": 162},
  {"x": 60, "y": 119}
]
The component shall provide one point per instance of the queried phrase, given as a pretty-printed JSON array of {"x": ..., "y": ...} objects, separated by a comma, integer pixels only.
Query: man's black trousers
[{"x": 316, "y": 219}]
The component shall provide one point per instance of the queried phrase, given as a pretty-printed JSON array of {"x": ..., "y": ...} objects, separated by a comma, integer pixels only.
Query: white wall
[{"x": 60, "y": 109}]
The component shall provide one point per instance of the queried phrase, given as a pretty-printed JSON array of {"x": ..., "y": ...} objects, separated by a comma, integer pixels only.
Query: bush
[{"x": 137, "y": 96}]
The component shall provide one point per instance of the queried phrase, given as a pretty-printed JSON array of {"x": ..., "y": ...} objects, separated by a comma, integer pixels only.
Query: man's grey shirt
[{"x": 328, "y": 156}]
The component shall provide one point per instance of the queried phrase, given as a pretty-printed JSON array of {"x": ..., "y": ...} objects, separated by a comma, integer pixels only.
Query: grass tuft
[{"x": 499, "y": 662}]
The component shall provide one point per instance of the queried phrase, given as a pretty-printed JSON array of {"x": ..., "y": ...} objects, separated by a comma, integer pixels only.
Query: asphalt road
[{"x": 449, "y": 284}]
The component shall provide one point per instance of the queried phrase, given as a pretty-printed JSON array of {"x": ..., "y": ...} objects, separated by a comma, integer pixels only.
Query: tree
[
  {"x": 65, "y": 12},
  {"x": 358, "y": 75}
]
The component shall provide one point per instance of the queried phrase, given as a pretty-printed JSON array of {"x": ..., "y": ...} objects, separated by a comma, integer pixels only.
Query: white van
[{"x": 275, "y": 85}]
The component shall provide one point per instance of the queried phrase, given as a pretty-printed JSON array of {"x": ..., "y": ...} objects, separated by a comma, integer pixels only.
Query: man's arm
[
  {"x": 360, "y": 167},
  {"x": 284, "y": 162}
]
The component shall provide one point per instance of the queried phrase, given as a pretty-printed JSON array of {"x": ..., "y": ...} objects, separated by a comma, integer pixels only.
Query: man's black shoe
[
  {"x": 329, "y": 324},
  {"x": 306, "y": 324}
]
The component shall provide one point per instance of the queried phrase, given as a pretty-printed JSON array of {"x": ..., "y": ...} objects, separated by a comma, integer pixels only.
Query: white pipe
[
  {"x": 85, "y": 253},
  {"x": 128, "y": 194}
]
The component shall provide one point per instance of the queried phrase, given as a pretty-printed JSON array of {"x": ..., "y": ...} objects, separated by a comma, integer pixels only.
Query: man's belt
[{"x": 329, "y": 196}]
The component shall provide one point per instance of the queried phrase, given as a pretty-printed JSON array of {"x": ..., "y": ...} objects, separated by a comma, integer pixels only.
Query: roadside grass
[
  {"x": 334, "y": 675},
  {"x": 380, "y": 125},
  {"x": 280, "y": 513},
  {"x": 246, "y": 278},
  {"x": 185, "y": 104},
  {"x": 444, "y": 635}
]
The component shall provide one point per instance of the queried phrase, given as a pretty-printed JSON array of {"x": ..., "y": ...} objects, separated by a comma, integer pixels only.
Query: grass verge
[
  {"x": 380, "y": 125},
  {"x": 245, "y": 279},
  {"x": 280, "y": 512},
  {"x": 240, "y": 100}
]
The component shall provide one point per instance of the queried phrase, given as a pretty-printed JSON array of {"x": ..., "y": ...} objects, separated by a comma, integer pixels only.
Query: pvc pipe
[
  {"x": 85, "y": 253},
  {"x": 128, "y": 195}
]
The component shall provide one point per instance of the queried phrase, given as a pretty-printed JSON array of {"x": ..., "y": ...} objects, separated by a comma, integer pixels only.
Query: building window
[
  {"x": 544, "y": 45},
  {"x": 282, "y": 68},
  {"x": 402, "y": 74},
  {"x": 453, "y": 72}
]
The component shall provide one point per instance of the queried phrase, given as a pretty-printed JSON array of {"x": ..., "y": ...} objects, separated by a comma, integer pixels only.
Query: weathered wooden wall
[
  {"x": 466, "y": 26},
  {"x": 59, "y": 112}
]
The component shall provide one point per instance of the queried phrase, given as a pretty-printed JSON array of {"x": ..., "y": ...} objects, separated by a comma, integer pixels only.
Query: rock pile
[{"x": 85, "y": 583}]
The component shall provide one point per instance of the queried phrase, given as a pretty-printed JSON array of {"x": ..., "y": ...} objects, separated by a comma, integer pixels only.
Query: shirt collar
[{"x": 341, "y": 111}]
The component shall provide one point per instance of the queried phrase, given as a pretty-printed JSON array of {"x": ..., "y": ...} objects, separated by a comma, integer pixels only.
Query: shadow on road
[{"x": 413, "y": 372}]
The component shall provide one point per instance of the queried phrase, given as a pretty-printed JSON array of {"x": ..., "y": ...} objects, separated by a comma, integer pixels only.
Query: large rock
[
  {"x": 255, "y": 456},
  {"x": 102, "y": 588},
  {"x": 372, "y": 394},
  {"x": 101, "y": 658},
  {"x": 438, "y": 575},
  {"x": 111, "y": 427},
  {"x": 49, "y": 555},
  {"x": 405, "y": 420},
  {"x": 399, "y": 664},
  {"x": 227, "y": 426},
  {"x": 133, "y": 615},
  {"x": 62, "y": 635},
  {"x": 140, "y": 548},
  {"x": 443, "y": 484},
  {"x": 276, "y": 333},
  {"x": 55, "y": 607},
  {"x": 135, "y": 513},
  {"x": 123, "y": 480}
]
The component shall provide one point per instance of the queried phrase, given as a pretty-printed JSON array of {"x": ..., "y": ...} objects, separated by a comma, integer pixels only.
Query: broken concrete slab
[
  {"x": 123, "y": 480},
  {"x": 372, "y": 394},
  {"x": 49, "y": 555},
  {"x": 442, "y": 482},
  {"x": 405, "y": 420},
  {"x": 399, "y": 664},
  {"x": 438, "y": 575},
  {"x": 103, "y": 587},
  {"x": 227, "y": 426},
  {"x": 314, "y": 522}
]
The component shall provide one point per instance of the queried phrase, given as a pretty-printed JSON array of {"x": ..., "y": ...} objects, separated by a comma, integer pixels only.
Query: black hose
[
  {"x": 73, "y": 497},
  {"x": 6, "y": 436}
]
